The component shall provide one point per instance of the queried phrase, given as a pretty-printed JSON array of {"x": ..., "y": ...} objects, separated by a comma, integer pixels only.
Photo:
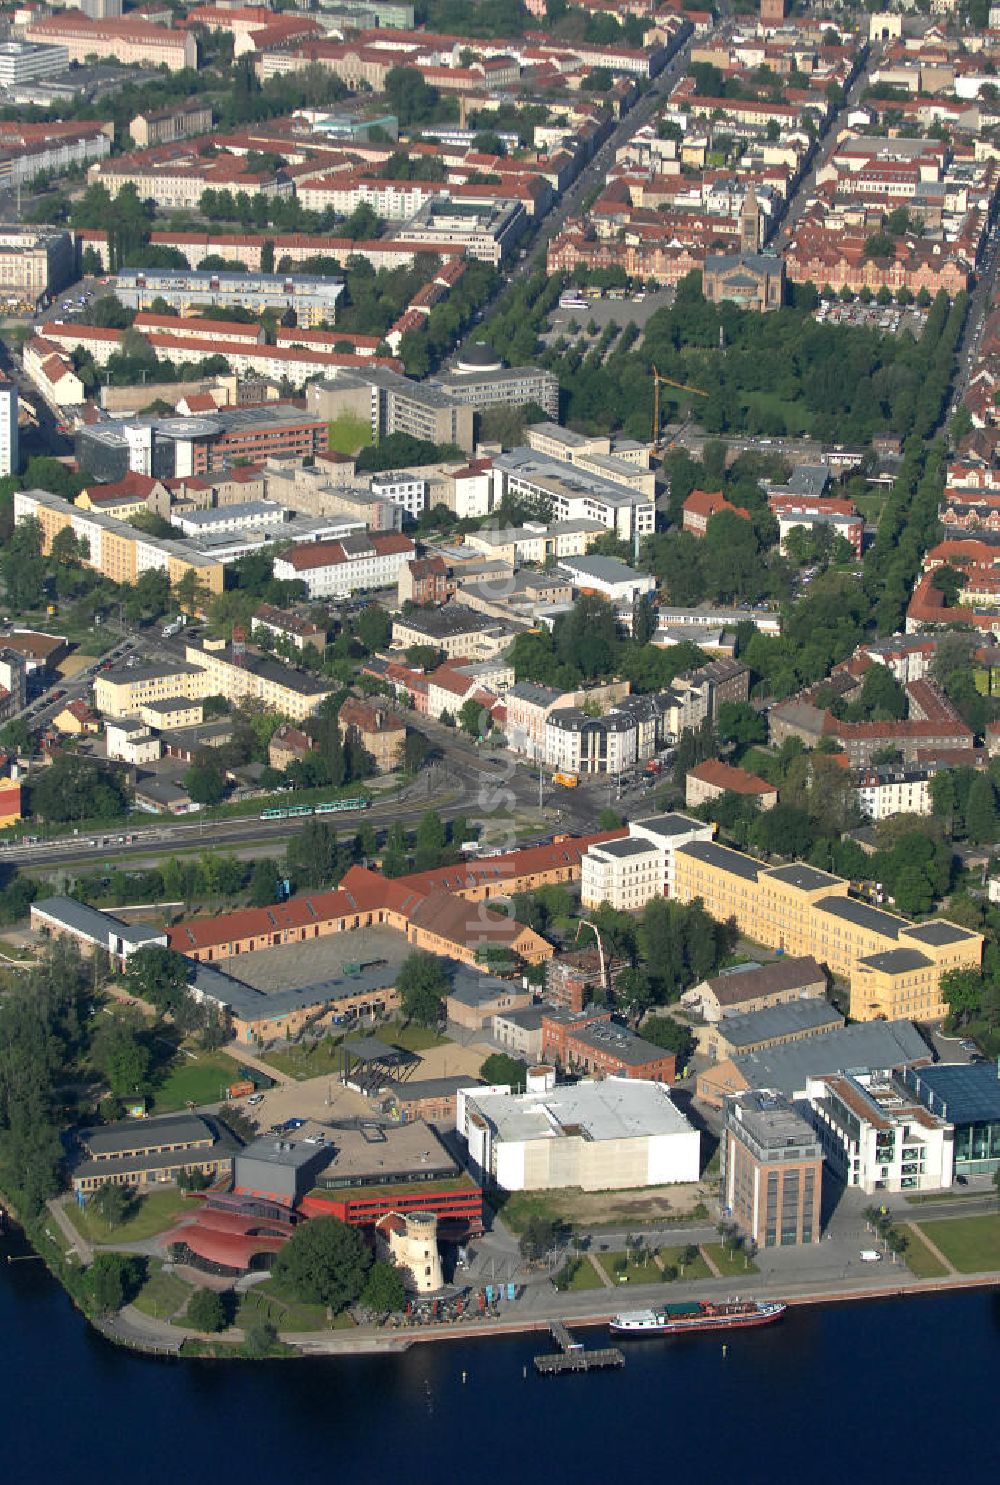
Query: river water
[{"x": 890, "y": 1390}]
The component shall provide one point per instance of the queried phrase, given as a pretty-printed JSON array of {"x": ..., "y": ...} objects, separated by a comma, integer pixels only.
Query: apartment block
[
  {"x": 772, "y": 1170},
  {"x": 630, "y": 872},
  {"x": 124, "y": 39},
  {"x": 312, "y": 300},
  {"x": 34, "y": 264},
  {"x": 877, "y": 1136},
  {"x": 894, "y": 966}
]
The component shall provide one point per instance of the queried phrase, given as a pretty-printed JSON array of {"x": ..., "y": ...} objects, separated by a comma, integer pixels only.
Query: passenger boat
[{"x": 705, "y": 1314}]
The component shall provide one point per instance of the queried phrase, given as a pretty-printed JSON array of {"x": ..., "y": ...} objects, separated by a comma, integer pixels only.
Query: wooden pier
[{"x": 572, "y": 1357}]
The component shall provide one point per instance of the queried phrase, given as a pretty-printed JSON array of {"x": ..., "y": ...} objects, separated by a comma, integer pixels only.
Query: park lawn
[
  {"x": 797, "y": 418},
  {"x": 195, "y": 1077},
  {"x": 918, "y": 1257},
  {"x": 971, "y": 1244},
  {"x": 698, "y": 1269},
  {"x": 14, "y": 952},
  {"x": 730, "y": 1265},
  {"x": 262, "y": 1302},
  {"x": 163, "y": 1294},
  {"x": 584, "y": 1276},
  {"x": 411, "y": 1037},
  {"x": 621, "y": 1270},
  {"x": 308, "y": 1060},
  {"x": 149, "y": 1215}
]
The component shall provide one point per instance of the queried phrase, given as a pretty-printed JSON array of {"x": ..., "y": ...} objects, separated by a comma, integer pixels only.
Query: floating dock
[{"x": 572, "y": 1357}]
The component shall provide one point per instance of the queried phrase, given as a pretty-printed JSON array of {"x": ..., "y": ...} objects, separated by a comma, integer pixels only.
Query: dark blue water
[{"x": 893, "y": 1391}]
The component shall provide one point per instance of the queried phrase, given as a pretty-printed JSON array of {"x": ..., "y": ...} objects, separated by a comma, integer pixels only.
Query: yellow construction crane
[{"x": 659, "y": 380}]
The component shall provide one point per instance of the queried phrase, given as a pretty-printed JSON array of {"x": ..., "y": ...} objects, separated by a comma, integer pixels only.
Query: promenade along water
[{"x": 900, "y": 1390}]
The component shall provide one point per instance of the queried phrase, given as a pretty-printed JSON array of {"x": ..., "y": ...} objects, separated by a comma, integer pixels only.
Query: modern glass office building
[{"x": 968, "y": 1096}]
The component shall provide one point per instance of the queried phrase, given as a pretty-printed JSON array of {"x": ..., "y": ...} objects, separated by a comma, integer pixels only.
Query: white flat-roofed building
[
  {"x": 573, "y": 493},
  {"x": 23, "y": 61},
  {"x": 9, "y": 445},
  {"x": 625, "y": 873},
  {"x": 613, "y": 580},
  {"x": 619, "y": 1133},
  {"x": 882, "y": 792},
  {"x": 878, "y": 1137},
  {"x": 668, "y": 833},
  {"x": 313, "y": 299},
  {"x": 402, "y": 487},
  {"x": 244, "y": 515}
]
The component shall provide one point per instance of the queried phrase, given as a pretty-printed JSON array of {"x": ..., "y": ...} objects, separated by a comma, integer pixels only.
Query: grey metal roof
[
  {"x": 419, "y": 1088},
  {"x": 604, "y": 569},
  {"x": 779, "y": 1020},
  {"x": 670, "y": 824},
  {"x": 897, "y": 961},
  {"x": 623, "y": 848},
  {"x": 938, "y": 933},
  {"x": 147, "y": 1134},
  {"x": 91, "y": 923},
  {"x": 806, "y": 878},
  {"x": 859, "y": 1048},
  {"x": 722, "y": 858},
  {"x": 864, "y": 916}
]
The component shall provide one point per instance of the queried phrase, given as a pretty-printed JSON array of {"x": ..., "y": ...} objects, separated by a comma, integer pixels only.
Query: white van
[{"x": 870, "y": 1255}]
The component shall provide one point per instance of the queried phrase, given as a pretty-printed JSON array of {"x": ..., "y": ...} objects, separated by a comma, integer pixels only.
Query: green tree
[
  {"x": 158, "y": 975},
  {"x": 980, "y": 811},
  {"x": 504, "y": 1071},
  {"x": 122, "y": 1056},
  {"x": 205, "y": 781},
  {"x": 384, "y": 1292},
  {"x": 473, "y": 718},
  {"x": 422, "y": 983},
  {"x": 739, "y": 723},
  {"x": 633, "y": 991},
  {"x": 264, "y": 883},
  {"x": 671, "y": 1035},
  {"x": 430, "y": 841},
  {"x": 206, "y": 1311},
  {"x": 324, "y": 1262},
  {"x": 415, "y": 750},
  {"x": 112, "y": 1280},
  {"x": 112, "y": 1202},
  {"x": 260, "y": 1339}
]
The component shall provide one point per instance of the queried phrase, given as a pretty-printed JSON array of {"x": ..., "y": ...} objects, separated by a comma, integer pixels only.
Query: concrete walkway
[
  {"x": 600, "y": 1270},
  {"x": 710, "y": 1263},
  {"x": 83, "y": 1249}
]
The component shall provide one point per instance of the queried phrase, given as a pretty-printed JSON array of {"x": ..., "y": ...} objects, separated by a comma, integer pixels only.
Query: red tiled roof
[{"x": 733, "y": 780}]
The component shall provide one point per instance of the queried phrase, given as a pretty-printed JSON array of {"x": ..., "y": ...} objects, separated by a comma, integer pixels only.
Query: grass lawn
[
  {"x": 972, "y": 1244},
  {"x": 919, "y": 1258},
  {"x": 197, "y": 1077},
  {"x": 619, "y": 1270},
  {"x": 699, "y": 1269},
  {"x": 797, "y": 418},
  {"x": 728, "y": 1264},
  {"x": 263, "y": 1303},
  {"x": 307, "y": 1060},
  {"x": 14, "y": 951},
  {"x": 163, "y": 1294},
  {"x": 149, "y": 1215},
  {"x": 584, "y": 1276},
  {"x": 411, "y": 1038}
]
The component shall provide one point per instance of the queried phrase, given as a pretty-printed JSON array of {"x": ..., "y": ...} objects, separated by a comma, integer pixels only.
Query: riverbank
[
  {"x": 536, "y": 1307},
  {"x": 139, "y": 1332}
]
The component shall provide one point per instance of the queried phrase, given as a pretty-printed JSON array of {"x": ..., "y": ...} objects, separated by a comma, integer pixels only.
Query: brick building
[{"x": 772, "y": 1171}]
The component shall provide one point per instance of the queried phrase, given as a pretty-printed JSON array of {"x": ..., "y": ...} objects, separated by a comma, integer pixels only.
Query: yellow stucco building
[{"x": 894, "y": 967}]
